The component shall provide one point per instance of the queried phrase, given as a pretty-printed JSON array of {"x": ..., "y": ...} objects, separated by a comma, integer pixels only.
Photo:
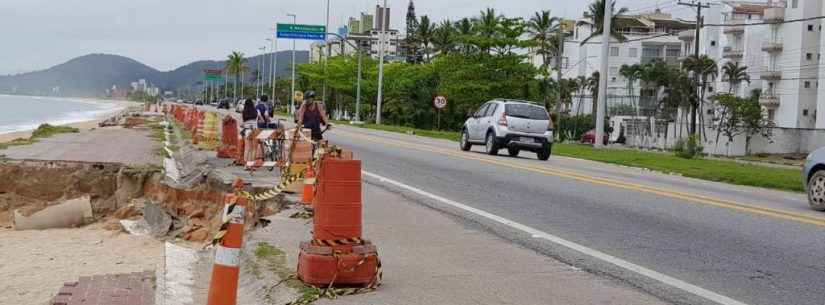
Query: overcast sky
[{"x": 165, "y": 34}]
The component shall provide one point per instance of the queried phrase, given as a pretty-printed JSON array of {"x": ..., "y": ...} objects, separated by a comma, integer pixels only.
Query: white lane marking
[{"x": 535, "y": 233}]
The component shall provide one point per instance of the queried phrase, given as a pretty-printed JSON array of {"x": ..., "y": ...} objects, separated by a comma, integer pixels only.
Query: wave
[{"x": 64, "y": 119}]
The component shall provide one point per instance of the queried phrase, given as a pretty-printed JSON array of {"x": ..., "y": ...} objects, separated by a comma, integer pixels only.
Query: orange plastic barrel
[{"x": 338, "y": 200}]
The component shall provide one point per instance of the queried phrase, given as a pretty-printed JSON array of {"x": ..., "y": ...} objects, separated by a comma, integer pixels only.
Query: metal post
[
  {"x": 559, "y": 58},
  {"x": 274, "y": 68},
  {"x": 600, "y": 111},
  {"x": 292, "y": 91},
  {"x": 358, "y": 90},
  {"x": 329, "y": 54},
  {"x": 381, "y": 35}
]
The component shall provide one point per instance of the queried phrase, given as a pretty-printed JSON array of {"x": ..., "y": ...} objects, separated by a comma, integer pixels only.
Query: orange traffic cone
[
  {"x": 223, "y": 289},
  {"x": 309, "y": 187}
]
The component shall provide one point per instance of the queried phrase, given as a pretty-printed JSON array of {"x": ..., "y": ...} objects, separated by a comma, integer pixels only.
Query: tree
[
  {"x": 426, "y": 30},
  {"x": 541, "y": 27},
  {"x": 595, "y": 17},
  {"x": 487, "y": 26},
  {"x": 735, "y": 74},
  {"x": 632, "y": 73},
  {"x": 464, "y": 30},
  {"x": 703, "y": 68},
  {"x": 755, "y": 123},
  {"x": 444, "y": 38},
  {"x": 236, "y": 64}
]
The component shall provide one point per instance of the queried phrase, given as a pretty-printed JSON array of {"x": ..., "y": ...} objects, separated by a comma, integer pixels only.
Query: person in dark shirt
[
  {"x": 312, "y": 115},
  {"x": 263, "y": 112}
]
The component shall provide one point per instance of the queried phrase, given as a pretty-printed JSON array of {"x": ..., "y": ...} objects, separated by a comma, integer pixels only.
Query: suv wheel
[
  {"x": 513, "y": 152},
  {"x": 545, "y": 152},
  {"x": 816, "y": 191},
  {"x": 490, "y": 144},
  {"x": 464, "y": 142}
]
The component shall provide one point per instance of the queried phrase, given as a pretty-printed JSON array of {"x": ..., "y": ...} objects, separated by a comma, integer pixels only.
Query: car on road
[
  {"x": 514, "y": 125},
  {"x": 223, "y": 104},
  {"x": 814, "y": 178}
]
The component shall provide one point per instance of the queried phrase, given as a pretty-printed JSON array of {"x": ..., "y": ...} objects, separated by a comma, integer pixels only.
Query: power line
[{"x": 765, "y": 23}]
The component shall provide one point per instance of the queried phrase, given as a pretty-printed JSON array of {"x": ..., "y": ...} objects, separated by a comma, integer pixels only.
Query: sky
[{"x": 166, "y": 34}]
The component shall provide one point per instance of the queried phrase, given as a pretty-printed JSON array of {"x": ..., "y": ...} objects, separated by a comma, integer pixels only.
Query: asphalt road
[{"x": 751, "y": 245}]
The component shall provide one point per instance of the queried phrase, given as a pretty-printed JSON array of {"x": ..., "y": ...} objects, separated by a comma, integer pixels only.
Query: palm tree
[
  {"x": 595, "y": 16},
  {"x": 487, "y": 27},
  {"x": 465, "y": 29},
  {"x": 593, "y": 85},
  {"x": 236, "y": 64},
  {"x": 444, "y": 37},
  {"x": 426, "y": 30},
  {"x": 632, "y": 73},
  {"x": 704, "y": 68},
  {"x": 541, "y": 28},
  {"x": 735, "y": 74}
]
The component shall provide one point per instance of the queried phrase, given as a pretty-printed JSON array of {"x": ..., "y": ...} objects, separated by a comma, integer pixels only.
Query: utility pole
[
  {"x": 329, "y": 54},
  {"x": 559, "y": 53},
  {"x": 381, "y": 35},
  {"x": 699, "y": 21},
  {"x": 602, "y": 102},
  {"x": 274, "y": 67},
  {"x": 292, "y": 90}
]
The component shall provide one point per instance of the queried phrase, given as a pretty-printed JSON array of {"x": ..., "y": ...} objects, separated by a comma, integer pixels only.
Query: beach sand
[
  {"x": 84, "y": 125},
  {"x": 40, "y": 261}
]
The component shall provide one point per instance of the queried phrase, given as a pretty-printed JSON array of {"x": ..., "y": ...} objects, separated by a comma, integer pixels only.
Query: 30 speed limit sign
[{"x": 440, "y": 102}]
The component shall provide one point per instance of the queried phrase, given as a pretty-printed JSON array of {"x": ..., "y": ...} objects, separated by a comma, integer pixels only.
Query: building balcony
[
  {"x": 774, "y": 15},
  {"x": 769, "y": 101},
  {"x": 772, "y": 74},
  {"x": 772, "y": 46},
  {"x": 687, "y": 35},
  {"x": 732, "y": 53},
  {"x": 734, "y": 26}
]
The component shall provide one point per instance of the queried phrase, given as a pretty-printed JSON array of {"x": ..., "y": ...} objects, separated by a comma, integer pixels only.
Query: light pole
[
  {"x": 259, "y": 85},
  {"x": 272, "y": 75},
  {"x": 269, "y": 63},
  {"x": 329, "y": 54},
  {"x": 292, "y": 90},
  {"x": 381, "y": 35}
]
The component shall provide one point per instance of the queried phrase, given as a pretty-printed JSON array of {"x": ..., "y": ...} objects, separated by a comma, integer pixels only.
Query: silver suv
[{"x": 511, "y": 124}]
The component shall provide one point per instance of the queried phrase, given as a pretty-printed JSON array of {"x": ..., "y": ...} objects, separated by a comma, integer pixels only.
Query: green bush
[{"x": 688, "y": 148}]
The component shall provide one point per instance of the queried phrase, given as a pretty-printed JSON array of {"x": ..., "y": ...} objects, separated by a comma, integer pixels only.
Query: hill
[{"x": 91, "y": 75}]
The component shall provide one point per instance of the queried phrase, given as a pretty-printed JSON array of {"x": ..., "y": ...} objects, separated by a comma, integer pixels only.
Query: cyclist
[{"x": 312, "y": 115}]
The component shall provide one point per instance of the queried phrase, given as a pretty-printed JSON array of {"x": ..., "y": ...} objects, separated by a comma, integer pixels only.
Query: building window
[
  {"x": 614, "y": 71},
  {"x": 807, "y": 84},
  {"x": 809, "y": 56},
  {"x": 794, "y": 3},
  {"x": 633, "y": 52},
  {"x": 652, "y": 52},
  {"x": 771, "y": 114},
  {"x": 710, "y": 112},
  {"x": 804, "y": 112},
  {"x": 673, "y": 52},
  {"x": 614, "y": 51},
  {"x": 810, "y": 28},
  {"x": 713, "y": 43}
]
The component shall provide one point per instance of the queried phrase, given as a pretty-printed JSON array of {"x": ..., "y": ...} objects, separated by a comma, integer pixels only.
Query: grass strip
[{"x": 43, "y": 131}]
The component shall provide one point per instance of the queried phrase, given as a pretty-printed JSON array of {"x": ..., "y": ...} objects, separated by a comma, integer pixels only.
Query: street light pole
[
  {"x": 329, "y": 54},
  {"x": 292, "y": 91},
  {"x": 381, "y": 35},
  {"x": 608, "y": 12}
]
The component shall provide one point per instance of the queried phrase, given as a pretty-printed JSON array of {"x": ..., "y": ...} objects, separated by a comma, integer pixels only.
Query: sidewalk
[
  {"x": 112, "y": 145},
  {"x": 430, "y": 258}
]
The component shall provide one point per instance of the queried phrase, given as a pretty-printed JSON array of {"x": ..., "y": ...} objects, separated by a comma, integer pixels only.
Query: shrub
[{"x": 688, "y": 148}]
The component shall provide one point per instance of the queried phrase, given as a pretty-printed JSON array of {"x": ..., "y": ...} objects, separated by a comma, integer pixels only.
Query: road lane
[{"x": 750, "y": 257}]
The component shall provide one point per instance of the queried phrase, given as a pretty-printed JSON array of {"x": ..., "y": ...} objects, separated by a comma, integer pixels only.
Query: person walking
[
  {"x": 312, "y": 115},
  {"x": 250, "y": 118},
  {"x": 264, "y": 111}
]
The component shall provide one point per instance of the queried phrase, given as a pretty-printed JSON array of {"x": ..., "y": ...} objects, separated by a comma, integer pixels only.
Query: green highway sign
[
  {"x": 213, "y": 75},
  {"x": 301, "y": 31},
  {"x": 216, "y": 78}
]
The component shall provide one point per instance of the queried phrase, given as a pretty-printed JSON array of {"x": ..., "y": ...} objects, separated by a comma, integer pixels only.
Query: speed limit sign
[{"x": 440, "y": 102}]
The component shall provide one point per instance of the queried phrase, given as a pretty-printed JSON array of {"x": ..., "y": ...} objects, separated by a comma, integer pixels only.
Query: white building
[
  {"x": 650, "y": 36},
  {"x": 366, "y": 37}
]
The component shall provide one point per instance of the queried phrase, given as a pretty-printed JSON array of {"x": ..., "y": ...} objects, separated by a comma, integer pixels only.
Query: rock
[
  {"x": 198, "y": 235},
  {"x": 199, "y": 212},
  {"x": 157, "y": 219},
  {"x": 112, "y": 224},
  {"x": 126, "y": 212},
  {"x": 136, "y": 227}
]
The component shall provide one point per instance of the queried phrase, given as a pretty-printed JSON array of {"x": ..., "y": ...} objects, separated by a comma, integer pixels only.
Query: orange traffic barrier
[
  {"x": 308, "y": 195},
  {"x": 338, "y": 200},
  {"x": 240, "y": 158},
  {"x": 229, "y": 138},
  {"x": 223, "y": 288},
  {"x": 322, "y": 266}
]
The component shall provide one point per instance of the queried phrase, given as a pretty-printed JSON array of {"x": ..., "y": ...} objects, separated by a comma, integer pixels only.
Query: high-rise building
[
  {"x": 354, "y": 25},
  {"x": 367, "y": 23},
  {"x": 382, "y": 18}
]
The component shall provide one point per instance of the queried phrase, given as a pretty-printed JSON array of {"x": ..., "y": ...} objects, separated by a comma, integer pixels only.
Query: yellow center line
[{"x": 722, "y": 203}]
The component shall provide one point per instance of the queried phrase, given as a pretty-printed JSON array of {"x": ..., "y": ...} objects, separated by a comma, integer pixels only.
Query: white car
[{"x": 511, "y": 124}]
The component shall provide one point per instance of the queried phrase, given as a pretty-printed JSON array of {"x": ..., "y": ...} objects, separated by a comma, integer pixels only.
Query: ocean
[{"x": 21, "y": 113}]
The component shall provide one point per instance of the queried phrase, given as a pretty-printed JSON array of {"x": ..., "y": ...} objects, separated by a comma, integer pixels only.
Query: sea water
[{"x": 19, "y": 113}]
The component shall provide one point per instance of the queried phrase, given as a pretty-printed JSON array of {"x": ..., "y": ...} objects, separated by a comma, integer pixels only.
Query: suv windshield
[{"x": 526, "y": 111}]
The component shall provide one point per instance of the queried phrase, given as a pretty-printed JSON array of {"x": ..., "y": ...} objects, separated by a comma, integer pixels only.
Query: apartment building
[{"x": 365, "y": 34}]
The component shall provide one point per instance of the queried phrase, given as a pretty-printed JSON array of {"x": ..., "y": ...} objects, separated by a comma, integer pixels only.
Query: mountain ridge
[{"x": 92, "y": 74}]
